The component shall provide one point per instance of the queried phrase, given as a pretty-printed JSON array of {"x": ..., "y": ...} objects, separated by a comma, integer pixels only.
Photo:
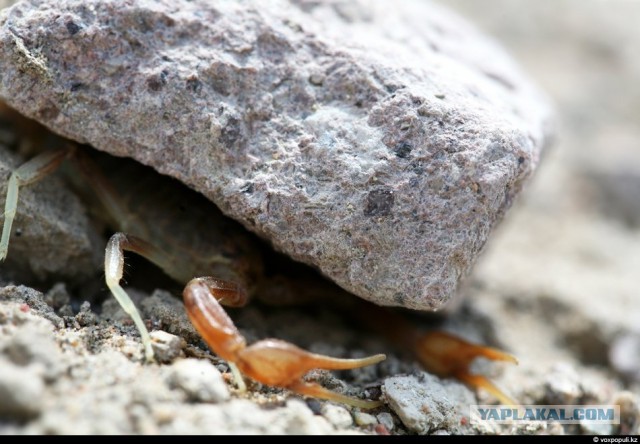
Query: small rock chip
[
  {"x": 314, "y": 405},
  {"x": 167, "y": 347},
  {"x": 364, "y": 419},
  {"x": 199, "y": 379},
  {"x": 562, "y": 385},
  {"x": 441, "y": 433},
  {"x": 337, "y": 415},
  {"x": 300, "y": 420},
  {"x": 425, "y": 404},
  {"x": 380, "y": 429},
  {"x": 85, "y": 316},
  {"x": 624, "y": 356},
  {"x": 386, "y": 420}
]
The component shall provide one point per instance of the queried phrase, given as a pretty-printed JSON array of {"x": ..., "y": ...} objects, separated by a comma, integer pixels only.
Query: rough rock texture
[
  {"x": 380, "y": 144},
  {"x": 425, "y": 404}
]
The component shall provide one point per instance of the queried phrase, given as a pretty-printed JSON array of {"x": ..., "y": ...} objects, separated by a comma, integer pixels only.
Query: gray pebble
[
  {"x": 386, "y": 420},
  {"x": 425, "y": 403},
  {"x": 85, "y": 316},
  {"x": 167, "y": 347},
  {"x": 199, "y": 380},
  {"x": 624, "y": 355}
]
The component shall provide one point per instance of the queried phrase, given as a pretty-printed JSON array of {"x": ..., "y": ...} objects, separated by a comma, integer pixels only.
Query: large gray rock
[{"x": 380, "y": 144}]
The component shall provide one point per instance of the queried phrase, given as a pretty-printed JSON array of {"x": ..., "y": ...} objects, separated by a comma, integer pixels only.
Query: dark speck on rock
[
  {"x": 75, "y": 86},
  {"x": 314, "y": 405},
  {"x": 231, "y": 132},
  {"x": 247, "y": 188},
  {"x": 379, "y": 203},
  {"x": 73, "y": 27},
  {"x": 193, "y": 83},
  {"x": 403, "y": 149},
  {"x": 155, "y": 82}
]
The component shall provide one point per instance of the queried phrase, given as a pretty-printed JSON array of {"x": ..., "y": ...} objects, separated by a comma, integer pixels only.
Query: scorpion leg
[
  {"x": 28, "y": 173},
  {"x": 113, "y": 270},
  {"x": 440, "y": 353},
  {"x": 448, "y": 355},
  {"x": 271, "y": 361},
  {"x": 36, "y": 169}
]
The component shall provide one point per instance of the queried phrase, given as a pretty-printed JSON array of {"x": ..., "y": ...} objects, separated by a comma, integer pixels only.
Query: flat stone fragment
[
  {"x": 426, "y": 404},
  {"x": 379, "y": 144}
]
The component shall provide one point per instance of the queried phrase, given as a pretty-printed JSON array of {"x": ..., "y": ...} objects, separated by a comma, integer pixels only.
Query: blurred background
[{"x": 561, "y": 277}]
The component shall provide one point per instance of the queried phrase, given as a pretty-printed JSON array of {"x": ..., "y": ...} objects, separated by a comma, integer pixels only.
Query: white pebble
[
  {"x": 199, "y": 379},
  {"x": 364, "y": 419},
  {"x": 337, "y": 415}
]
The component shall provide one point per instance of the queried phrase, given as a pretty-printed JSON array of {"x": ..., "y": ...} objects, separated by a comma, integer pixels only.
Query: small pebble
[
  {"x": 562, "y": 385},
  {"x": 316, "y": 79},
  {"x": 337, "y": 415},
  {"x": 166, "y": 347},
  {"x": 380, "y": 429},
  {"x": 66, "y": 311},
  {"x": 314, "y": 405},
  {"x": 386, "y": 420},
  {"x": 364, "y": 419},
  {"x": 441, "y": 432},
  {"x": 85, "y": 316},
  {"x": 425, "y": 403},
  {"x": 199, "y": 380},
  {"x": 624, "y": 355}
]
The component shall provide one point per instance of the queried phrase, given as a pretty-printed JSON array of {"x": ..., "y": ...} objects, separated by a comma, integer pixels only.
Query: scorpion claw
[
  {"x": 447, "y": 355},
  {"x": 271, "y": 361}
]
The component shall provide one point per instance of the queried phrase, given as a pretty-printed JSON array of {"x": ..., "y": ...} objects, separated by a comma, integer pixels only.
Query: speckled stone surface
[{"x": 380, "y": 144}]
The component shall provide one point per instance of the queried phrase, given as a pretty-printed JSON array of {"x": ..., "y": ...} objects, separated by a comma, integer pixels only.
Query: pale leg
[
  {"x": 113, "y": 269},
  {"x": 28, "y": 173}
]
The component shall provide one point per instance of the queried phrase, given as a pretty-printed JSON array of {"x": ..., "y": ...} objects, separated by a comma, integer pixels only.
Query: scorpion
[{"x": 220, "y": 266}]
